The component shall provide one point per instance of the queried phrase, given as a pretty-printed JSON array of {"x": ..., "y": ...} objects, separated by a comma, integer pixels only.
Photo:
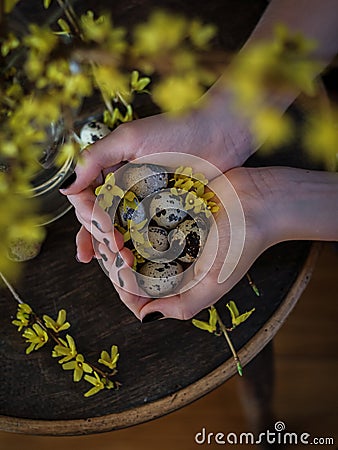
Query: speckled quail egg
[
  {"x": 194, "y": 234},
  {"x": 159, "y": 279},
  {"x": 93, "y": 131},
  {"x": 166, "y": 209},
  {"x": 129, "y": 212},
  {"x": 156, "y": 244},
  {"x": 158, "y": 238},
  {"x": 145, "y": 179}
]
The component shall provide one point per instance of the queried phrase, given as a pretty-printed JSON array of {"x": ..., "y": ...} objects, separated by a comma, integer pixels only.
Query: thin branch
[
  {"x": 233, "y": 351},
  {"x": 10, "y": 287}
]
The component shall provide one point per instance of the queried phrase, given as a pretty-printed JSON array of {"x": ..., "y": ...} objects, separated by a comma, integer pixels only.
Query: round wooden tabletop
[{"x": 162, "y": 366}]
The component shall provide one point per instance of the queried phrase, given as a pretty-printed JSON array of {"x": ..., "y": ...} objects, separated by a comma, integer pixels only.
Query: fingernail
[
  {"x": 106, "y": 241},
  {"x": 68, "y": 181},
  {"x": 120, "y": 279},
  {"x": 119, "y": 261},
  {"x": 77, "y": 259},
  {"x": 151, "y": 317},
  {"x": 104, "y": 257},
  {"x": 97, "y": 225}
]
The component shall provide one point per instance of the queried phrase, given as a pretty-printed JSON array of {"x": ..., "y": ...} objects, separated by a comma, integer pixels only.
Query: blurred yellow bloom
[
  {"x": 9, "y": 5},
  {"x": 110, "y": 81},
  {"x": 41, "y": 39},
  {"x": 9, "y": 44},
  {"x": 175, "y": 93},
  {"x": 95, "y": 29},
  {"x": 162, "y": 32},
  {"x": 200, "y": 34},
  {"x": 271, "y": 128},
  {"x": 321, "y": 138}
]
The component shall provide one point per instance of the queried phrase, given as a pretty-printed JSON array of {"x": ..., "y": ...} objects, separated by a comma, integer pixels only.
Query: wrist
[
  {"x": 301, "y": 204},
  {"x": 229, "y": 129}
]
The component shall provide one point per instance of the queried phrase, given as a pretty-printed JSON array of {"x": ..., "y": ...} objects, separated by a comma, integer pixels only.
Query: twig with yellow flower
[{"x": 38, "y": 332}]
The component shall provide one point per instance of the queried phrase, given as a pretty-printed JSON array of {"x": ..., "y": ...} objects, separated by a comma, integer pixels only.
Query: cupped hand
[
  {"x": 210, "y": 131},
  {"x": 204, "y": 288}
]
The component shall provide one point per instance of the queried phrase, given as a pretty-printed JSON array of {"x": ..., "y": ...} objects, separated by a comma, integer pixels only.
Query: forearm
[
  {"x": 301, "y": 204},
  {"x": 316, "y": 20}
]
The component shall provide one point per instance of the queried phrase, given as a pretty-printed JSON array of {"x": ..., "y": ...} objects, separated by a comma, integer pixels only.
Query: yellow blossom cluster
[
  {"x": 38, "y": 333},
  {"x": 278, "y": 68}
]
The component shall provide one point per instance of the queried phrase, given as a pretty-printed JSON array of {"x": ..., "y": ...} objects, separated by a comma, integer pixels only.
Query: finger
[
  {"x": 107, "y": 258},
  {"x": 187, "y": 305},
  {"x": 84, "y": 204},
  {"x": 84, "y": 244},
  {"x": 106, "y": 152},
  {"x": 129, "y": 292}
]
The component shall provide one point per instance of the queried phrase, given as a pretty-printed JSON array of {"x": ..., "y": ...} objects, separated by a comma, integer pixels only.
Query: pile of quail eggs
[{"x": 172, "y": 237}]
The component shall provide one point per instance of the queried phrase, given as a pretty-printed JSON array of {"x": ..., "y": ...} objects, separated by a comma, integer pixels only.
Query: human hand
[
  {"x": 210, "y": 132},
  {"x": 202, "y": 289}
]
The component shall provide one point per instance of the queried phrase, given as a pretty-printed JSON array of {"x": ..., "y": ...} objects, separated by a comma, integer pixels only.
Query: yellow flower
[
  {"x": 211, "y": 325},
  {"x": 60, "y": 324},
  {"x": 175, "y": 93},
  {"x": 108, "y": 191},
  {"x": 9, "y": 5},
  {"x": 163, "y": 31},
  {"x": 66, "y": 349},
  {"x": 22, "y": 316},
  {"x": 271, "y": 128},
  {"x": 292, "y": 43},
  {"x": 138, "y": 84},
  {"x": 69, "y": 150},
  {"x": 134, "y": 232},
  {"x": 110, "y": 360},
  {"x": 36, "y": 336},
  {"x": 78, "y": 366},
  {"x": 78, "y": 85},
  {"x": 237, "y": 318},
  {"x": 200, "y": 34},
  {"x": 192, "y": 202},
  {"x": 95, "y": 29},
  {"x": 96, "y": 382},
  {"x": 111, "y": 119},
  {"x": 110, "y": 81},
  {"x": 41, "y": 39},
  {"x": 9, "y": 44}
]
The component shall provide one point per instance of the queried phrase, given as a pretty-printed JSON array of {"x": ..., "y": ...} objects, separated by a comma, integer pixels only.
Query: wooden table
[{"x": 164, "y": 365}]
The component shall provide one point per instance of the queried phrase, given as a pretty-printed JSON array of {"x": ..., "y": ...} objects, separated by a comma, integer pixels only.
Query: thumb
[{"x": 107, "y": 152}]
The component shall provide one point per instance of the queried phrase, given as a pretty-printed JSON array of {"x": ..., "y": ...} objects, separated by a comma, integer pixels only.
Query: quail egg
[
  {"x": 145, "y": 179},
  {"x": 158, "y": 238},
  {"x": 193, "y": 233},
  {"x": 156, "y": 244},
  {"x": 159, "y": 279},
  {"x": 166, "y": 209},
  {"x": 93, "y": 131},
  {"x": 132, "y": 211}
]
